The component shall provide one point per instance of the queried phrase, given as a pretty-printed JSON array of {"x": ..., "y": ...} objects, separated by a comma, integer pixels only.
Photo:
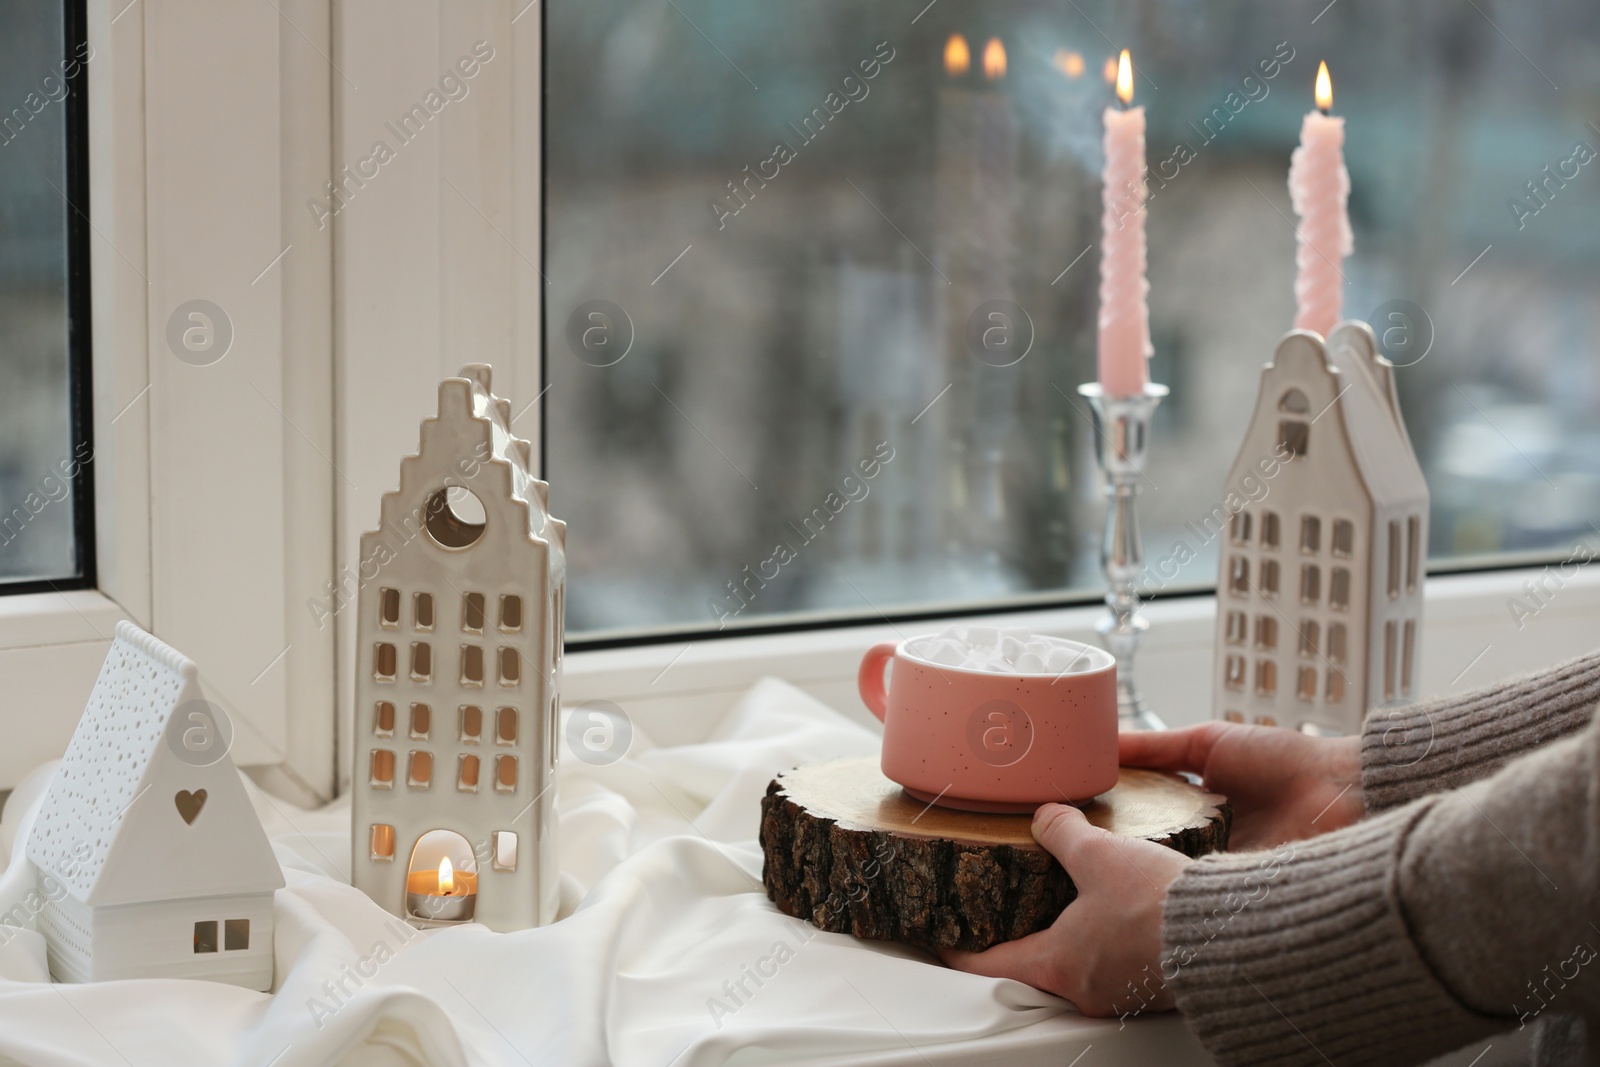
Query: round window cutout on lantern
[
  {"x": 453, "y": 517},
  {"x": 442, "y": 879}
]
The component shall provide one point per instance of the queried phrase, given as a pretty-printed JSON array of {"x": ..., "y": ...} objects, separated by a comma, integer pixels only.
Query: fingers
[
  {"x": 1171, "y": 750},
  {"x": 1026, "y": 959},
  {"x": 1063, "y": 830}
]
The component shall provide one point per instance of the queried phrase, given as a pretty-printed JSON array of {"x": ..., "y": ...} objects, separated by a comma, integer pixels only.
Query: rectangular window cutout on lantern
[
  {"x": 505, "y": 774},
  {"x": 1339, "y": 589},
  {"x": 380, "y": 841},
  {"x": 1266, "y": 632},
  {"x": 1344, "y": 538},
  {"x": 505, "y": 731},
  {"x": 1310, "y": 535},
  {"x": 467, "y": 774},
  {"x": 205, "y": 936},
  {"x": 1307, "y": 688},
  {"x": 1239, "y": 528},
  {"x": 510, "y": 666},
  {"x": 1266, "y": 677},
  {"x": 504, "y": 844},
  {"x": 1394, "y": 560},
  {"x": 1269, "y": 529},
  {"x": 421, "y": 661},
  {"x": 422, "y": 611},
  {"x": 510, "y": 614},
  {"x": 421, "y": 773},
  {"x": 382, "y": 774},
  {"x": 471, "y": 724},
  {"x": 383, "y": 719},
  {"x": 383, "y": 662},
  {"x": 1233, "y": 677},
  {"x": 388, "y": 608},
  {"x": 472, "y": 666},
  {"x": 472, "y": 613},
  {"x": 1238, "y": 627},
  {"x": 236, "y": 935},
  {"x": 1269, "y": 577},
  {"x": 1239, "y": 575},
  {"x": 421, "y": 721},
  {"x": 1310, "y": 583},
  {"x": 1308, "y": 638}
]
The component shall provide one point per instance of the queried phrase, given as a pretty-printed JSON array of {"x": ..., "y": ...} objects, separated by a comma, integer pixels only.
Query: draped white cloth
[{"x": 667, "y": 952}]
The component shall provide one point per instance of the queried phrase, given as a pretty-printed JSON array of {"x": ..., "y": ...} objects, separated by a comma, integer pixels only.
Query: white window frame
[
  {"x": 222, "y": 520},
  {"x": 214, "y": 507}
]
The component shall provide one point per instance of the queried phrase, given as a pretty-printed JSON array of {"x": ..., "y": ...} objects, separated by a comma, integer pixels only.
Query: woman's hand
[
  {"x": 1103, "y": 952},
  {"x": 1283, "y": 785}
]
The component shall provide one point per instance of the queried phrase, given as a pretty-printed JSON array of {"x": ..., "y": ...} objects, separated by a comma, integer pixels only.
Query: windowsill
[
  {"x": 72, "y": 616},
  {"x": 676, "y": 692}
]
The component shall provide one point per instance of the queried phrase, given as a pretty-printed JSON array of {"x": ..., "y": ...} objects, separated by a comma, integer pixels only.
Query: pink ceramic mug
[{"x": 982, "y": 741}]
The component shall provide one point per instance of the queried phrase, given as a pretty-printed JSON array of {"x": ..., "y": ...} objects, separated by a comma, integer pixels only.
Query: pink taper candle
[
  {"x": 1319, "y": 187},
  {"x": 1124, "y": 291}
]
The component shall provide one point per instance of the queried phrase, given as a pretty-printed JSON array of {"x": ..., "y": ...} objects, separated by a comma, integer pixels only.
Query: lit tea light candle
[
  {"x": 1319, "y": 188},
  {"x": 445, "y": 895},
  {"x": 1124, "y": 325}
]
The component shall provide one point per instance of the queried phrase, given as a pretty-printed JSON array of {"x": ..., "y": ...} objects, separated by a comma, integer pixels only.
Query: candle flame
[
  {"x": 994, "y": 59},
  {"x": 1125, "y": 78},
  {"x": 447, "y": 877},
  {"x": 1069, "y": 63},
  {"x": 1324, "y": 89},
  {"x": 957, "y": 57}
]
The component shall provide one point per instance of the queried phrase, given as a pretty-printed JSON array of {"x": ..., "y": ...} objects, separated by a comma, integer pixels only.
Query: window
[
  {"x": 1336, "y": 642},
  {"x": 1413, "y": 551},
  {"x": 1393, "y": 572},
  {"x": 1269, "y": 577},
  {"x": 505, "y": 729},
  {"x": 467, "y": 774},
  {"x": 1344, "y": 538},
  {"x": 421, "y": 661},
  {"x": 1266, "y": 632},
  {"x": 1239, "y": 575},
  {"x": 1239, "y": 528},
  {"x": 1266, "y": 677},
  {"x": 856, "y": 267},
  {"x": 1388, "y": 660},
  {"x": 389, "y": 608},
  {"x": 510, "y": 614},
  {"x": 510, "y": 666},
  {"x": 421, "y": 721},
  {"x": 1294, "y": 437},
  {"x": 472, "y": 612},
  {"x": 382, "y": 776},
  {"x": 1310, "y": 534},
  {"x": 1407, "y": 655},
  {"x": 1238, "y": 627},
  {"x": 381, "y": 841},
  {"x": 1339, "y": 589},
  {"x": 472, "y": 665},
  {"x": 1233, "y": 675},
  {"x": 422, "y": 611},
  {"x": 383, "y": 662},
  {"x": 1309, "y": 633},
  {"x": 1306, "y": 686},
  {"x": 505, "y": 774},
  {"x": 504, "y": 848},
  {"x": 383, "y": 719},
  {"x": 46, "y": 453},
  {"x": 471, "y": 724},
  {"x": 236, "y": 935},
  {"x": 205, "y": 936},
  {"x": 1310, "y": 583},
  {"x": 421, "y": 773},
  {"x": 1269, "y": 529}
]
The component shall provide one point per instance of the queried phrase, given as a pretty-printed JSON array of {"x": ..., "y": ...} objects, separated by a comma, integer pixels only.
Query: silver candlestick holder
[{"x": 1121, "y": 444}]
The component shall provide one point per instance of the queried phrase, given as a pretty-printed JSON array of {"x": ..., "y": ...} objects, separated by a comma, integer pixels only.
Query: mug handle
[{"x": 870, "y": 679}]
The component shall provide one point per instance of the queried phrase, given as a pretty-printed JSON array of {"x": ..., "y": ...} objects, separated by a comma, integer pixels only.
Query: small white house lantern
[
  {"x": 149, "y": 857},
  {"x": 1319, "y": 599},
  {"x": 458, "y": 670}
]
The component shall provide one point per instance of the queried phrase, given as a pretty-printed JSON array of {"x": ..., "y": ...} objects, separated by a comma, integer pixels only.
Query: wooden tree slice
[{"x": 849, "y": 851}]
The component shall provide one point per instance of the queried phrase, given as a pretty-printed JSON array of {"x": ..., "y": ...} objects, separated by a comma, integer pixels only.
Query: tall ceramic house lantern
[
  {"x": 1319, "y": 599},
  {"x": 458, "y": 670},
  {"x": 148, "y": 855}
]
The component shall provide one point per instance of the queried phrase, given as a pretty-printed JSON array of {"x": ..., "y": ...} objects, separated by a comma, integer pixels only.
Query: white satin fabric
[{"x": 667, "y": 952}]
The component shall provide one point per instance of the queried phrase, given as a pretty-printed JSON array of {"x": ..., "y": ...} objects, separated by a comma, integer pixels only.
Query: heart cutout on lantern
[{"x": 189, "y": 804}]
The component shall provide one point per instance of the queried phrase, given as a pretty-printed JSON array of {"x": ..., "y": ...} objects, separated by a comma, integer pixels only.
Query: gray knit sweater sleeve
[
  {"x": 1425, "y": 748},
  {"x": 1404, "y": 936}
]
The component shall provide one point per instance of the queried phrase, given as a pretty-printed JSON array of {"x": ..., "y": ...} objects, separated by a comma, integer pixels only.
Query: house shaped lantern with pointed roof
[
  {"x": 149, "y": 857},
  {"x": 1319, "y": 597},
  {"x": 458, "y": 671}
]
